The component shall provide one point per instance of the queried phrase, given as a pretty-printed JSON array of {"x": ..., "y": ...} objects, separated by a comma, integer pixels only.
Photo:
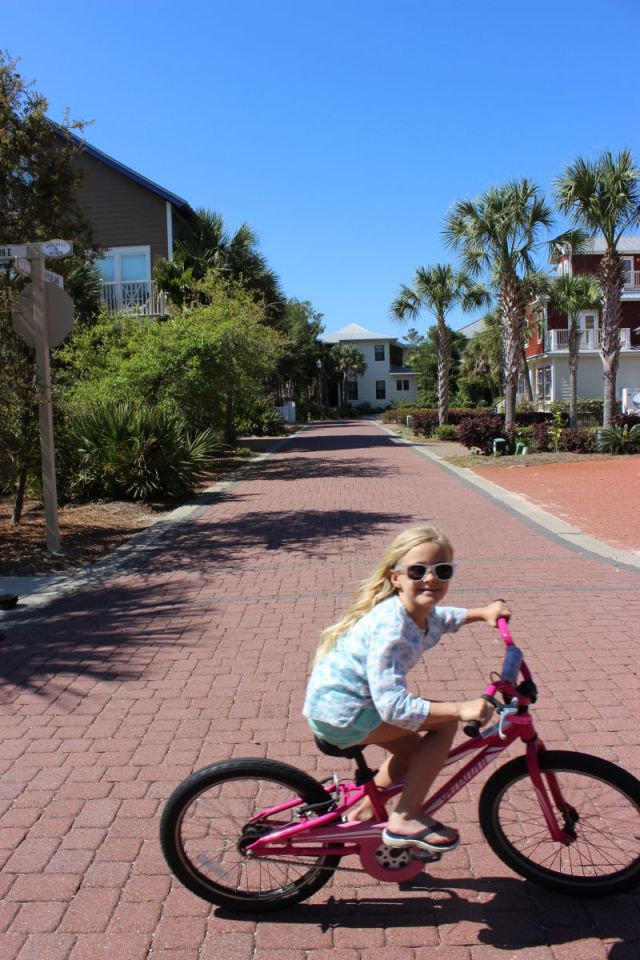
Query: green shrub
[
  {"x": 618, "y": 439},
  {"x": 309, "y": 409},
  {"x": 136, "y": 452},
  {"x": 578, "y": 440},
  {"x": 446, "y": 432},
  {"x": 258, "y": 417},
  {"x": 589, "y": 409},
  {"x": 480, "y": 431},
  {"x": 425, "y": 422}
]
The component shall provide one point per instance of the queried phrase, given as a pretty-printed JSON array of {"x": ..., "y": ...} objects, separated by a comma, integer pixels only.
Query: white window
[
  {"x": 543, "y": 383},
  {"x": 379, "y": 351},
  {"x": 588, "y": 326},
  {"x": 381, "y": 390},
  {"x": 627, "y": 267},
  {"x": 125, "y": 265},
  {"x": 352, "y": 389},
  {"x": 402, "y": 384},
  {"x": 126, "y": 277}
]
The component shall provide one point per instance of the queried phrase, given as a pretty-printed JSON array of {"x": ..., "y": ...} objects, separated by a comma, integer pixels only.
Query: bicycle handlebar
[{"x": 512, "y": 665}]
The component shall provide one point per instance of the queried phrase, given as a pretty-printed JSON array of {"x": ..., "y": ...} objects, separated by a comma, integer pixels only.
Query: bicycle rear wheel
[
  {"x": 603, "y": 813},
  {"x": 212, "y": 817}
]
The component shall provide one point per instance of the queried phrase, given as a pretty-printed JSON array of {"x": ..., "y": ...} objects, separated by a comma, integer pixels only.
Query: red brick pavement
[{"x": 200, "y": 650}]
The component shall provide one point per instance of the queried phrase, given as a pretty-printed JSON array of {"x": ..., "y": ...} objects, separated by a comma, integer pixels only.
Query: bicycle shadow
[{"x": 509, "y": 914}]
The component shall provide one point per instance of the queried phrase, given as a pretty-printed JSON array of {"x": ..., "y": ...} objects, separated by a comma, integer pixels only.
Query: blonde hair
[{"x": 378, "y": 586}]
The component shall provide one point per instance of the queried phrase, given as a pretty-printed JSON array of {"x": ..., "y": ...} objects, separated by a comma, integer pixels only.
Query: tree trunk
[
  {"x": 18, "y": 502},
  {"x": 444, "y": 363},
  {"x": 526, "y": 377},
  {"x": 513, "y": 324},
  {"x": 612, "y": 282},
  {"x": 574, "y": 346},
  {"x": 230, "y": 436}
]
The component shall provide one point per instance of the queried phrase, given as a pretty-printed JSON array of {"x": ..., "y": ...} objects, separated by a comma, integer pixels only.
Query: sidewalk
[{"x": 198, "y": 649}]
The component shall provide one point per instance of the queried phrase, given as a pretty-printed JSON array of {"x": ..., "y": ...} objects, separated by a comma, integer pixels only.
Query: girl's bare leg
[
  {"x": 420, "y": 758},
  {"x": 393, "y": 768}
]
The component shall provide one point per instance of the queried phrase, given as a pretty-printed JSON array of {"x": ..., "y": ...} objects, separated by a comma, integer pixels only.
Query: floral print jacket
[{"x": 368, "y": 665}]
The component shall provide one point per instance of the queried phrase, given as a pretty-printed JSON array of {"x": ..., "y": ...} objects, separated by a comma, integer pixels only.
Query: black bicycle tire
[
  {"x": 309, "y": 790},
  {"x": 576, "y": 763}
]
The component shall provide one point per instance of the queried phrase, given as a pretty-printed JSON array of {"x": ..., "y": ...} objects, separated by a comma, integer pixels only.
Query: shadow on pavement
[
  {"x": 312, "y": 443},
  {"x": 309, "y": 533},
  {"x": 511, "y": 914},
  {"x": 103, "y": 632},
  {"x": 300, "y": 468}
]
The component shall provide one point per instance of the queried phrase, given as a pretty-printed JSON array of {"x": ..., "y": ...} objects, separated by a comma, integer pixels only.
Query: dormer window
[{"x": 379, "y": 351}]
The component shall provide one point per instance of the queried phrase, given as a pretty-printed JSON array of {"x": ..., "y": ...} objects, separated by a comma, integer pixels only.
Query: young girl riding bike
[{"x": 357, "y": 692}]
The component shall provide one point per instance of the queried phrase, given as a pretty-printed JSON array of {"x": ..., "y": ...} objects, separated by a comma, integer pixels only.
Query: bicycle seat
[{"x": 351, "y": 753}]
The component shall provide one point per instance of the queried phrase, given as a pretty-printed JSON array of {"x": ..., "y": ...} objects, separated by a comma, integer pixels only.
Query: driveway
[{"x": 199, "y": 648}]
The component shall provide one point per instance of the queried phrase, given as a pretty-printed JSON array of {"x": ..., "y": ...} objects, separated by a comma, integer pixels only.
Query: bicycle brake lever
[{"x": 505, "y": 713}]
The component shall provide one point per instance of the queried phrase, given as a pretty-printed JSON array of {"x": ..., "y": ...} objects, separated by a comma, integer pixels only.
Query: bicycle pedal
[{"x": 425, "y": 856}]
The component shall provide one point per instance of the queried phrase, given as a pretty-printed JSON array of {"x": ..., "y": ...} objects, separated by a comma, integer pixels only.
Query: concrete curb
[{"x": 559, "y": 529}]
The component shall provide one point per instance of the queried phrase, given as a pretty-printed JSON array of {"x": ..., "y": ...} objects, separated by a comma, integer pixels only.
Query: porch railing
[
  {"x": 633, "y": 283},
  {"x": 557, "y": 341},
  {"x": 140, "y": 297}
]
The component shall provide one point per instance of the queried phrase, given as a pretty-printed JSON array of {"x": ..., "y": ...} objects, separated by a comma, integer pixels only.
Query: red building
[{"x": 547, "y": 350}]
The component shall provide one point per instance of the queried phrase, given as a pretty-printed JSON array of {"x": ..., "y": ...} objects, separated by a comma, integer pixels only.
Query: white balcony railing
[
  {"x": 557, "y": 341},
  {"x": 140, "y": 297},
  {"x": 633, "y": 281}
]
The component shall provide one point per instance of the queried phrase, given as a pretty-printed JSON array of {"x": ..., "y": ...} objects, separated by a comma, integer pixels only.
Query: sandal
[{"x": 418, "y": 839}]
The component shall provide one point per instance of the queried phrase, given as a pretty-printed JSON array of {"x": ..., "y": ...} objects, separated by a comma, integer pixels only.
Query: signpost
[
  {"x": 23, "y": 266},
  {"x": 43, "y": 316}
]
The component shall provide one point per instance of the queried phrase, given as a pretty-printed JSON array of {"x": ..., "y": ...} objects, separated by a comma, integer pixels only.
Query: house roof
[
  {"x": 597, "y": 245},
  {"x": 101, "y": 157},
  {"x": 353, "y": 331}
]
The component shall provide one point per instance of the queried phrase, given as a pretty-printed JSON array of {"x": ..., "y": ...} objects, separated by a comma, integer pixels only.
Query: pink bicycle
[{"x": 255, "y": 835}]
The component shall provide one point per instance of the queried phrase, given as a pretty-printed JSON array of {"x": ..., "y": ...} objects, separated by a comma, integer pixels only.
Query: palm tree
[
  {"x": 347, "y": 360},
  {"x": 205, "y": 244},
  {"x": 571, "y": 294},
  {"x": 498, "y": 233},
  {"x": 437, "y": 290},
  {"x": 603, "y": 196}
]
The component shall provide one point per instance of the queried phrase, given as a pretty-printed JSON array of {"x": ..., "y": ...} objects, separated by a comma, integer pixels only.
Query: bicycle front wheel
[
  {"x": 602, "y": 812},
  {"x": 214, "y": 815}
]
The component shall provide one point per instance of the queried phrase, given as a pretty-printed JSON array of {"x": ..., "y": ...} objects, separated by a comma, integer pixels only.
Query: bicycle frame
[{"x": 328, "y": 834}]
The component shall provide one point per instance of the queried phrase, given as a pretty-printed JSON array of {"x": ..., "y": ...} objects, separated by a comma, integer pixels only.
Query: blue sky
[{"x": 341, "y": 130}]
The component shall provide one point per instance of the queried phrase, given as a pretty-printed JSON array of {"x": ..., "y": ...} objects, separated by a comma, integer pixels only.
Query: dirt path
[{"x": 600, "y": 497}]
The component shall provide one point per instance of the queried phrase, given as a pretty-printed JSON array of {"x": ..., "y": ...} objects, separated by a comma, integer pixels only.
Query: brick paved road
[{"x": 201, "y": 653}]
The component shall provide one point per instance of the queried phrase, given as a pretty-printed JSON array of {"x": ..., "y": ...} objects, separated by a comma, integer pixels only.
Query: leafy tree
[
  {"x": 347, "y": 361},
  {"x": 38, "y": 184},
  {"x": 498, "y": 233},
  {"x": 570, "y": 295},
  {"x": 197, "y": 364},
  {"x": 298, "y": 367},
  {"x": 480, "y": 380},
  {"x": 603, "y": 196},
  {"x": 425, "y": 360},
  {"x": 437, "y": 290}
]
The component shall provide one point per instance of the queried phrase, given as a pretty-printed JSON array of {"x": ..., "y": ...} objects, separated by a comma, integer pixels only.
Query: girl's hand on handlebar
[
  {"x": 478, "y": 710},
  {"x": 495, "y": 611}
]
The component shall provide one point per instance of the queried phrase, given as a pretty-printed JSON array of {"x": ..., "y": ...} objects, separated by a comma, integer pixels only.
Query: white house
[{"x": 386, "y": 379}]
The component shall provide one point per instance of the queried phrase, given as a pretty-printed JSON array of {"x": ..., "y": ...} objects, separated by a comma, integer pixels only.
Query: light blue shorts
[{"x": 357, "y": 731}]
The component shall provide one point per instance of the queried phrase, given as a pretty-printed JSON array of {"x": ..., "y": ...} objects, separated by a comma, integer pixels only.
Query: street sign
[
  {"x": 56, "y": 248},
  {"x": 12, "y": 250},
  {"x": 59, "y": 312},
  {"x": 23, "y": 267}
]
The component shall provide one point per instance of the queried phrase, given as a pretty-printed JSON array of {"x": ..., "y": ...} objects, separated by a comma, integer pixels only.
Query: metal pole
[{"x": 45, "y": 402}]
